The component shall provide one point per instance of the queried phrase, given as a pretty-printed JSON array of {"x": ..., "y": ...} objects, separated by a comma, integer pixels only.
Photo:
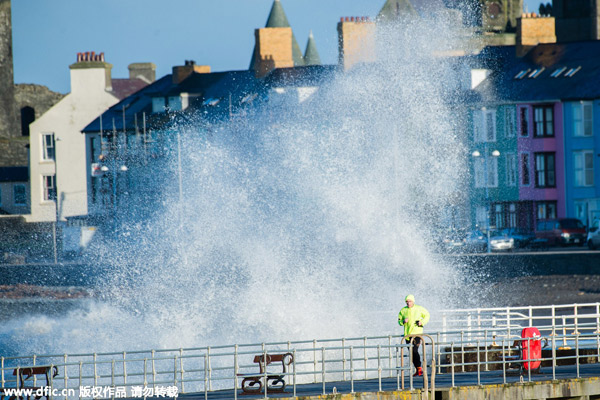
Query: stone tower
[
  {"x": 278, "y": 19},
  {"x": 8, "y": 123},
  {"x": 577, "y": 19},
  {"x": 500, "y": 16}
]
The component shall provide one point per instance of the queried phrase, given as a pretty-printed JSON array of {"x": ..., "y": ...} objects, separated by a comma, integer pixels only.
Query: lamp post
[
  {"x": 114, "y": 171},
  {"x": 486, "y": 155}
]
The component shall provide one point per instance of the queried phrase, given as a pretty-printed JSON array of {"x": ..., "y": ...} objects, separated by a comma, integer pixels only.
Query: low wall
[{"x": 572, "y": 389}]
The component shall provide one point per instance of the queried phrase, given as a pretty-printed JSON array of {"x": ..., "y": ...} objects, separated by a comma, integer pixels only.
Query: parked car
[
  {"x": 453, "y": 240},
  {"x": 522, "y": 237},
  {"x": 562, "y": 231},
  {"x": 593, "y": 236},
  {"x": 476, "y": 241},
  {"x": 501, "y": 242}
]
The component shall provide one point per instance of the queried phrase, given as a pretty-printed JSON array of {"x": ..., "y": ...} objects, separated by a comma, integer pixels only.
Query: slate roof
[
  {"x": 122, "y": 88},
  {"x": 554, "y": 71},
  {"x": 137, "y": 103},
  {"x": 309, "y": 75},
  {"x": 278, "y": 19},
  {"x": 211, "y": 90},
  {"x": 14, "y": 174}
]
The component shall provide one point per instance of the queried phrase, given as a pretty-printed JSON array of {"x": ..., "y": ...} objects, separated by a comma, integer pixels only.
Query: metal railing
[{"x": 485, "y": 343}]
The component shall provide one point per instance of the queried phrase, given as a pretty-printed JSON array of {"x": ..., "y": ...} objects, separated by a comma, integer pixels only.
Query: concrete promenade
[{"x": 466, "y": 386}]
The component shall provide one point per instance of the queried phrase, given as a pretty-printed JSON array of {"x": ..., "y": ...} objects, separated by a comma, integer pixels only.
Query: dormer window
[
  {"x": 572, "y": 72},
  {"x": 558, "y": 71},
  {"x": 536, "y": 72},
  {"x": 522, "y": 74}
]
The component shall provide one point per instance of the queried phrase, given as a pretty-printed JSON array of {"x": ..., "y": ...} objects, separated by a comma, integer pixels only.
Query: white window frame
[
  {"x": 484, "y": 126},
  {"x": 510, "y": 122},
  {"x": 48, "y": 149},
  {"x": 479, "y": 167},
  {"x": 583, "y": 119},
  {"x": 512, "y": 174},
  {"x": 19, "y": 185},
  {"x": 47, "y": 189},
  {"x": 583, "y": 174}
]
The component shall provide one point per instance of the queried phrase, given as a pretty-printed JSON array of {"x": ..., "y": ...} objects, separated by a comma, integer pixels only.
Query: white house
[{"x": 58, "y": 169}]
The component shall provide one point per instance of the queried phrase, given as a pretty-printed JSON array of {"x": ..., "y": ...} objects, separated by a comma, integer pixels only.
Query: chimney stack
[
  {"x": 90, "y": 72},
  {"x": 144, "y": 71},
  {"x": 180, "y": 73},
  {"x": 532, "y": 30}
]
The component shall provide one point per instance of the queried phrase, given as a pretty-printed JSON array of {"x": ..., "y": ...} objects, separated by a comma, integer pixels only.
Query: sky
[{"x": 47, "y": 35}]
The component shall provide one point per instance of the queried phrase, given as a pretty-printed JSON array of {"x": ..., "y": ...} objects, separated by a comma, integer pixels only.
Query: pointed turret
[
  {"x": 394, "y": 10},
  {"x": 278, "y": 19},
  {"x": 311, "y": 55}
]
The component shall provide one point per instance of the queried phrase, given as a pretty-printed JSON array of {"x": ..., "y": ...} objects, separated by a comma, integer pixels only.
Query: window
[
  {"x": 481, "y": 216},
  {"x": 19, "y": 195},
  {"x": 583, "y": 163},
  {"x": 524, "y": 119},
  {"x": 522, "y": 74},
  {"x": 510, "y": 122},
  {"x": 582, "y": 119},
  {"x": 484, "y": 125},
  {"x": 512, "y": 215},
  {"x": 511, "y": 169},
  {"x": 546, "y": 209},
  {"x": 525, "y": 180},
  {"x": 481, "y": 170},
  {"x": 48, "y": 146},
  {"x": 499, "y": 216},
  {"x": 544, "y": 170},
  {"x": 27, "y": 117},
  {"x": 572, "y": 72},
  {"x": 543, "y": 123},
  {"x": 49, "y": 191},
  {"x": 536, "y": 72},
  {"x": 558, "y": 71}
]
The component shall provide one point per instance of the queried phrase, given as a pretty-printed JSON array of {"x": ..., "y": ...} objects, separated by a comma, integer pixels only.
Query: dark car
[
  {"x": 562, "y": 231},
  {"x": 521, "y": 236}
]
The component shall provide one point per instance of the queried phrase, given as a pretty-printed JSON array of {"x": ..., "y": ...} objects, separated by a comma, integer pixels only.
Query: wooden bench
[
  {"x": 253, "y": 383},
  {"x": 24, "y": 374}
]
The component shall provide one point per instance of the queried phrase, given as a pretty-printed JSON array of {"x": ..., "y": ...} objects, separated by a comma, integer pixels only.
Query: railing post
[
  {"x": 124, "y": 369},
  {"x": 379, "y": 365},
  {"x": 294, "y": 366},
  {"x": 390, "y": 354},
  {"x": 444, "y": 326},
  {"x": 315, "y": 360},
  {"x": 182, "y": 372},
  {"x": 153, "y": 354},
  {"x": 553, "y": 353},
  {"x": 175, "y": 370},
  {"x": 344, "y": 359},
  {"x": 504, "y": 360},
  {"x": 351, "y": 371},
  {"x": 236, "y": 369},
  {"x": 66, "y": 380},
  {"x": 462, "y": 350},
  {"x": 452, "y": 361},
  {"x": 478, "y": 363},
  {"x": 575, "y": 321},
  {"x": 205, "y": 377},
  {"x": 323, "y": 368},
  {"x": 485, "y": 344},
  {"x": 95, "y": 371},
  {"x": 564, "y": 329},
  {"x": 577, "y": 353},
  {"x": 209, "y": 368},
  {"x": 365, "y": 354}
]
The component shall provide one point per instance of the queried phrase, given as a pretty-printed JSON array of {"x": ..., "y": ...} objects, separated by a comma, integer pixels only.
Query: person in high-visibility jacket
[{"x": 413, "y": 318}]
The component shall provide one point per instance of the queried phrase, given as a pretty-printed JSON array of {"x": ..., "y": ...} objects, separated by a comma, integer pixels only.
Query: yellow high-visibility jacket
[{"x": 414, "y": 314}]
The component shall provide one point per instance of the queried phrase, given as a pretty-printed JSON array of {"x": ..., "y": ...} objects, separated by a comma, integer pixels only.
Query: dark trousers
[{"x": 415, "y": 351}]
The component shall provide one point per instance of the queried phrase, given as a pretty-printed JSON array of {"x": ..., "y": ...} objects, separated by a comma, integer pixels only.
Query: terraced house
[{"x": 538, "y": 112}]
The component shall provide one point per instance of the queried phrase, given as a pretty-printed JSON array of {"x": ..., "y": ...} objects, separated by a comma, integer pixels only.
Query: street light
[{"x": 476, "y": 154}]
